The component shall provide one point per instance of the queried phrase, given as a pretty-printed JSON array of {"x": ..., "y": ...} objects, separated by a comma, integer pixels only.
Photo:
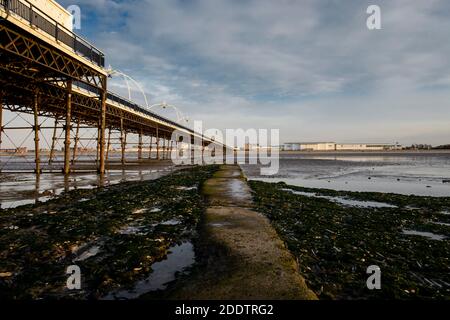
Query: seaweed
[
  {"x": 335, "y": 244},
  {"x": 114, "y": 234}
]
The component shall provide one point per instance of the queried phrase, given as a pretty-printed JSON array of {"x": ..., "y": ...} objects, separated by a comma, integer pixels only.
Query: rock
[{"x": 5, "y": 274}]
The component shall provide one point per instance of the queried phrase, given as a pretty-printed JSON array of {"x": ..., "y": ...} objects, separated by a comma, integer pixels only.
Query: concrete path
[{"x": 243, "y": 257}]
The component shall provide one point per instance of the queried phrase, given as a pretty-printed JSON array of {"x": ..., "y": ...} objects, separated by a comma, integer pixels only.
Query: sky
[{"x": 310, "y": 68}]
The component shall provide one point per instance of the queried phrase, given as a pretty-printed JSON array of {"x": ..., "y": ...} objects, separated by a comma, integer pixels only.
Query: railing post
[
  {"x": 56, "y": 32},
  {"x": 31, "y": 15},
  {"x": 66, "y": 169}
]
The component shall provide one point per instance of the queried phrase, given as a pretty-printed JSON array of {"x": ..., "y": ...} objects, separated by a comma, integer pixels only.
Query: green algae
[
  {"x": 335, "y": 244},
  {"x": 114, "y": 234}
]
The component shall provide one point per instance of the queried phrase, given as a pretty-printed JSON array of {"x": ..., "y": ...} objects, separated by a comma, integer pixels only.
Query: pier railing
[
  {"x": 25, "y": 10},
  {"x": 130, "y": 104}
]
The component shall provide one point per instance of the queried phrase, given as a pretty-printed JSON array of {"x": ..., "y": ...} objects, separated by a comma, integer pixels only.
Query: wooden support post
[
  {"x": 150, "y": 148},
  {"x": 37, "y": 155},
  {"x": 140, "y": 146},
  {"x": 101, "y": 168},
  {"x": 66, "y": 169},
  {"x": 108, "y": 146},
  {"x": 52, "y": 148},
  {"x": 77, "y": 139}
]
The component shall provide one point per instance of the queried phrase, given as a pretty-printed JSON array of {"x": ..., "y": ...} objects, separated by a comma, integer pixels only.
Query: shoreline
[{"x": 371, "y": 152}]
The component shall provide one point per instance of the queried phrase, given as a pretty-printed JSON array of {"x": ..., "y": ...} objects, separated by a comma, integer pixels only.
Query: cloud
[{"x": 310, "y": 67}]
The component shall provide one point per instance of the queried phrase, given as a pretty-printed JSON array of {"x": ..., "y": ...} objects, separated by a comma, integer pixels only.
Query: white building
[
  {"x": 309, "y": 146},
  {"x": 333, "y": 146}
]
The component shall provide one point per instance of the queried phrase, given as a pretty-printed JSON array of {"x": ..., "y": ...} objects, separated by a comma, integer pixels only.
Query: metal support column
[
  {"x": 52, "y": 148},
  {"x": 150, "y": 148},
  {"x": 1, "y": 120},
  {"x": 157, "y": 143},
  {"x": 140, "y": 146},
  {"x": 170, "y": 150},
  {"x": 164, "y": 149},
  {"x": 123, "y": 138},
  {"x": 108, "y": 146},
  {"x": 37, "y": 155},
  {"x": 77, "y": 139},
  {"x": 101, "y": 168},
  {"x": 66, "y": 169}
]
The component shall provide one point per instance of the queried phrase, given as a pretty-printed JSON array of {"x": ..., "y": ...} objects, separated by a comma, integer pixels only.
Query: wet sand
[{"x": 404, "y": 172}]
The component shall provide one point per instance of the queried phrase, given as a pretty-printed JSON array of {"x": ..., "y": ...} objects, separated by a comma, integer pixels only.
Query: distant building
[
  {"x": 21, "y": 150},
  {"x": 332, "y": 146}
]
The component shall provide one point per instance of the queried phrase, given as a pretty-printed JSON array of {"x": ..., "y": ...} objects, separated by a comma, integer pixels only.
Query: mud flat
[
  {"x": 337, "y": 235},
  {"x": 128, "y": 239},
  {"x": 240, "y": 255}
]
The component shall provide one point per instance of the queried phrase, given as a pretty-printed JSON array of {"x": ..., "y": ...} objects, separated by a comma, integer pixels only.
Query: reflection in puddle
[
  {"x": 344, "y": 201},
  {"x": 429, "y": 235},
  {"x": 23, "y": 188},
  {"x": 179, "y": 258}
]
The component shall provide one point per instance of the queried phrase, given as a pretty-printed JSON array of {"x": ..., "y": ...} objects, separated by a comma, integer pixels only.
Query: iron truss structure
[{"x": 40, "y": 78}]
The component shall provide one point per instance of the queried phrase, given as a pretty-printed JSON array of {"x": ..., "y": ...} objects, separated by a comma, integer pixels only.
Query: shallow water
[
  {"x": 345, "y": 201},
  {"x": 418, "y": 173},
  {"x": 429, "y": 235},
  {"x": 18, "y": 189},
  {"x": 178, "y": 260}
]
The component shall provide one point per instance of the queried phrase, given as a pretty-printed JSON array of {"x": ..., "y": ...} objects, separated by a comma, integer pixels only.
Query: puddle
[
  {"x": 429, "y": 235},
  {"x": 239, "y": 189},
  {"x": 155, "y": 210},
  {"x": 343, "y": 201},
  {"x": 171, "y": 222},
  {"x": 179, "y": 258},
  {"x": 132, "y": 230},
  {"x": 441, "y": 223},
  {"x": 220, "y": 224},
  {"x": 92, "y": 251},
  {"x": 187, "y": 188}
]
